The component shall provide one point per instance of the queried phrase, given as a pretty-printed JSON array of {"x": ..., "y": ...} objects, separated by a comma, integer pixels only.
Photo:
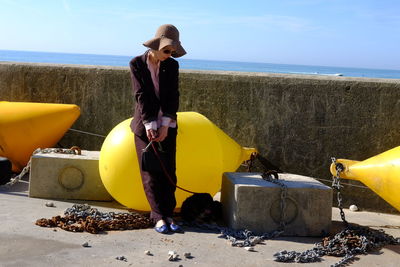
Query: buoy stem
[
  {"x": 247, "y": 153},
  {"x": 339, "y": 167}
]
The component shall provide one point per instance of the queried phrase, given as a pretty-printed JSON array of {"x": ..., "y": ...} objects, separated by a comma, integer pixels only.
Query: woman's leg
[
  {"x": 159, "y": 190},
  {"x": 169, "y": 146}
]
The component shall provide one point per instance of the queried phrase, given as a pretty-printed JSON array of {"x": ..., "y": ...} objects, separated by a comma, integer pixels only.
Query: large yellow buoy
[
  {"x": 25, "y": 127},
  {"x": 380, "y": 173},
  {"x": 204, "y": 152}
]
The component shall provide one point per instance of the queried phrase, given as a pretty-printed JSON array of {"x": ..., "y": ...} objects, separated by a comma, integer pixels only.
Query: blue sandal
[
  {"x": 163, "y": 229},
  {"x": 175, "y": 228}
]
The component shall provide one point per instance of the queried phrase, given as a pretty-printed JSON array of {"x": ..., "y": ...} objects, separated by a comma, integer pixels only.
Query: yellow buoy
[
  {"x": 204, "y": 152},
  {"x": 380, "y": 173},
  {"x": 25, "y": 127}
]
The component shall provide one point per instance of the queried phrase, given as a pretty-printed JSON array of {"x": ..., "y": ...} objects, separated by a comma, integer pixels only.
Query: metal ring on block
[
  {"x": 71, "y": 178},
  {"x": 291, "y": 210}
]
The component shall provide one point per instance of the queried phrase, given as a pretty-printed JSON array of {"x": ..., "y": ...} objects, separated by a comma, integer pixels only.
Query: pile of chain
[
  {"x": 236, "y": 238},
  {"x": 245, "y": 238},
  {"x": 82, "y": 217},
  {"x": 352, "y": 241}
]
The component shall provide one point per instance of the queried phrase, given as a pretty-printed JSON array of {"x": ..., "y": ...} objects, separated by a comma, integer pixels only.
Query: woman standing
[{"x": 155, "y": 85}]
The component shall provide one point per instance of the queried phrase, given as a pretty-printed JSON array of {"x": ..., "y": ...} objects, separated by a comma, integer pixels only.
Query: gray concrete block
[
  {"x": 251, "y": 203},
  {"x": 66, "y": 176}
]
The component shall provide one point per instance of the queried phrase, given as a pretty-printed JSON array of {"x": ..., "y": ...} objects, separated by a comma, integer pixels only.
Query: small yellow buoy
[
  {"x": 25, "y": 127},
  {"x": 380, "y": 173},
  {"x": 204, "y": 153}
]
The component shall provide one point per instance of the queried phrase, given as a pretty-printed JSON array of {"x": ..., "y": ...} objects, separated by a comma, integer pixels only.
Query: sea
[{"x": 196, "y": 64}]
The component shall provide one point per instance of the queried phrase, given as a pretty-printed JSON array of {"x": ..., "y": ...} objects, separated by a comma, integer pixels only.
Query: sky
[{"x": 346, "y": 33}]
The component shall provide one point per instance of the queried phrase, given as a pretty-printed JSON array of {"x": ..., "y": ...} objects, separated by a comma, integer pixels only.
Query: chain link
[
  {"x": 75, "y": 150},
  {"x": 17, "y": 178},
  {"x": 336, "y": 185}
]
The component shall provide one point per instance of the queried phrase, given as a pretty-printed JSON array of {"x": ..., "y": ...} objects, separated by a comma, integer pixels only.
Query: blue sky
[{"x": 349, "y": 33}]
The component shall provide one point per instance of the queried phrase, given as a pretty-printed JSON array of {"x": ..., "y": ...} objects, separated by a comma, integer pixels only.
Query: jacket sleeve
[
  {"x": 171, "y": 105},
  {"x": 147, "y": 110}
]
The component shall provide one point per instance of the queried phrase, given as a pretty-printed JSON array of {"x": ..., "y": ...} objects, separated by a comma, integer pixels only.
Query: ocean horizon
[{"x": 198, "y": 64}]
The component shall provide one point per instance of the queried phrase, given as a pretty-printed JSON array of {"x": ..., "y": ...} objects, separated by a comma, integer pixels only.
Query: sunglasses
[{"x": 168, "y": 52}]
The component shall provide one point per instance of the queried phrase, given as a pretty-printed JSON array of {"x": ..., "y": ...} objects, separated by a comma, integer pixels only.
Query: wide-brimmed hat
[{"x": 166, "y": 34}]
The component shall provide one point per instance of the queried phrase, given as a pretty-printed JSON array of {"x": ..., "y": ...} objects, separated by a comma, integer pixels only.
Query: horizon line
[{"x": 215, "y": 60}]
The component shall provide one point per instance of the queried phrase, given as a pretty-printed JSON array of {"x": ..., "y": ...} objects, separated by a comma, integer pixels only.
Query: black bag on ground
[
  {"x": 150, "y": 161},
  {"x": 5, "y": 170}
]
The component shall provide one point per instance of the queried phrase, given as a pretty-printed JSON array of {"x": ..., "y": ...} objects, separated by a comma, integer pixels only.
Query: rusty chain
[{"x": 82, "y": 217}]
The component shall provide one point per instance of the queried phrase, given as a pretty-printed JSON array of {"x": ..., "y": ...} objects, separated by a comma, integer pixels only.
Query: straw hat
[{"x": 166, "y": 34}]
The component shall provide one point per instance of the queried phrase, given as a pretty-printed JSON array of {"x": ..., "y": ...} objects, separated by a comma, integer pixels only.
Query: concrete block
[
  {"x": 66, "y": 176},
  {"x": 249, "y": 202}
]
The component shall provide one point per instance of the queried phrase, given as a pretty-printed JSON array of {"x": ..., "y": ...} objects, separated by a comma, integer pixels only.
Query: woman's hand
[
  {"x": 151, "y": 134},
  {"x": 162, "y": 134}
]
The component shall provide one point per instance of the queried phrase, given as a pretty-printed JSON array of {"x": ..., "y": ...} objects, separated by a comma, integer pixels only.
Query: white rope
[
  {"x": 354, "y": 185},
  {"x": 88, "y": 133}
]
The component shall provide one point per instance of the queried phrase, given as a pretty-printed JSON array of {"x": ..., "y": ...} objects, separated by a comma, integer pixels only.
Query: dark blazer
[{"x": 147, "y": 103}]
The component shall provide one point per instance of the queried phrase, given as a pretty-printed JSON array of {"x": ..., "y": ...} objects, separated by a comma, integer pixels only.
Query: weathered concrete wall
[{"x": 298, "y": 122}]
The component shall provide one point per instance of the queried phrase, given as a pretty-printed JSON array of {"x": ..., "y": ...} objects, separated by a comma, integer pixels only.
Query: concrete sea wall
[{"x": 298, "y": 122}]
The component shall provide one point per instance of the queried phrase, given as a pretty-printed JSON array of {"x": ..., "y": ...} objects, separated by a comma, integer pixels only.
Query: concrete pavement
[{"x": 22, "y": 243}]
